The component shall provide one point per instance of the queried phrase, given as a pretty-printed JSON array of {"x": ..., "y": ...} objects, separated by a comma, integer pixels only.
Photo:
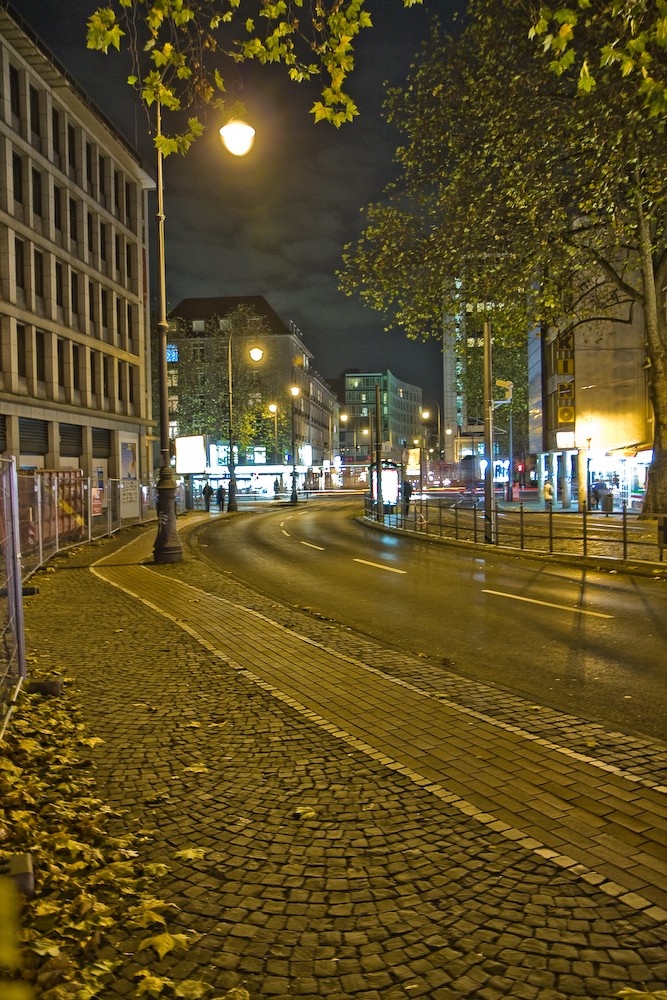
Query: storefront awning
[{"x": 631, "y": 450}]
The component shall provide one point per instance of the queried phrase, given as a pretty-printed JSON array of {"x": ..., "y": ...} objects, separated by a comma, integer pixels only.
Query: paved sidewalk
[{"x": 369, "y": 828}]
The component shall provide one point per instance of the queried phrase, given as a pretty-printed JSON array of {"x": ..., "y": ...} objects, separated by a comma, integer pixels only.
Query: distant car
[{"x": 469, "y": 502}]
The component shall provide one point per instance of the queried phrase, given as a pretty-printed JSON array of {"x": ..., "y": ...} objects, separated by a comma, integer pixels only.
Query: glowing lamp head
[{"x": 237, "y": 136}]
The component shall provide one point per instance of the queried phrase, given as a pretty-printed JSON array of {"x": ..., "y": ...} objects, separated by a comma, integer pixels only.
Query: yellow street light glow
[
  {"x": 273, "y": 408},
  {"x": 294, "y": 389},
  {"x": 237, "y": 136},
  {"x": 256, "y": 353},
  {"x": 426, "y": 414}
]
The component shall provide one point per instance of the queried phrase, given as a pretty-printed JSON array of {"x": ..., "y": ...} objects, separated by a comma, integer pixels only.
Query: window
[
  {"x": 55, "y": 128},
  {"x": 14, "y": 91},
  {"x": 106, "y": 376},
  {"x": 76, "y": 366},
  {"x": 104, "y": 236},
  {"x": 21, "y": 351},
  {"x": 71, "y": 146},
  {"x": 35, "y": 123},
  {"x": 17, "y": 174},
  {"x": 121, "y": 376},
  {"x": 61, "y": 361},
  {"x": 129, "y": 203},
  {"x": 104, "y": 307},
  {"x": 131, "y": 375},
  {"x": 19, "y": 259},
  {"x": 89, "y": 163},
  {"x": 40, "y": 355},
  {"x": 57, "y": 207},
  {"x": 118, "y": 252},
  {"x": 130, "y": 323},
  {"x": 91, "y": 301},
  {"x": 74, "y": 292},
  {"x": 60, "y": 284},
  {"x": 38, "y": 273},
  {"x": 117, "y": 191},
  {"x": 37, "y": 203},
  {"x": 73, "y": 220},
  {"x": 90, "y": 230},
  {"x": 93, "y": 373},
  {"x": 103, "y": 176},
  {"x": 128, "y": 260}
]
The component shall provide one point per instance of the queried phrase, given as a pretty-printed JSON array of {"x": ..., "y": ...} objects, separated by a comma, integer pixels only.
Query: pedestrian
[
  {"x": 207, "y": 494},
  {"x": 276, "y": 487},
  {"x": 548, "y": 495},
  {"x": 598, "y": 491},
  {"x": 406, "y": 493},
  {"x": 220, "y": 497}
]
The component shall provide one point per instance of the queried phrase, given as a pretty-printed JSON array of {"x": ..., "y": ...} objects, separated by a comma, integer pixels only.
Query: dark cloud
[{"x": 275, "y": 223}]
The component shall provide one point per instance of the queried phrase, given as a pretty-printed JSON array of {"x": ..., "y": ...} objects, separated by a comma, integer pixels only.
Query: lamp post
[
  {"x": 295, "y": 391},
  {"x": 273, "y": 408},
  {"x": 167, "y": 547},
  {"x": 255, "y": 354},
  {"x": 238, "y": 138},
  {"x": 489, "y": 494}
]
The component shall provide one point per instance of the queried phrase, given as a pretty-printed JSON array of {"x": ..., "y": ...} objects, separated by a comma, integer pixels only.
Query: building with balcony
[{"x": 74, "y": 359}]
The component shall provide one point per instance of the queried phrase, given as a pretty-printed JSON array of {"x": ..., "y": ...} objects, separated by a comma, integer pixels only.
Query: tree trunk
[{"x": 655, "y": 320}]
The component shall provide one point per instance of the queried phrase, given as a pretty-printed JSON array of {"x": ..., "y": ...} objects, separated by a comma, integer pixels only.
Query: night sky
[{"x": 274, "y": 223}]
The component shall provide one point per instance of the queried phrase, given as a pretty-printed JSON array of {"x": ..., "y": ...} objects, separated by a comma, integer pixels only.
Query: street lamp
[
  {"x": 237, "y": 136},
  {"x": 273, "y": 408},
  {"x": 167, "y": 547},
  {"x": 426, "y": 415},
  {"x": 295, "y": 391},
  {"x": 255, "y": 354}
]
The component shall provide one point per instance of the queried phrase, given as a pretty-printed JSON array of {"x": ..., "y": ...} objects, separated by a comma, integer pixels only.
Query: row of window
[
  {"x": 76, "y": 366},
  {"x": 68, "y": 148},
  {"x": 65, "y": 218},
  {"x": 46, "y": 282}
]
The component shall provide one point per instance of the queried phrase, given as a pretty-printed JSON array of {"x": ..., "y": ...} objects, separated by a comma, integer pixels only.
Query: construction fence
[{"x": 42, "y": 513}]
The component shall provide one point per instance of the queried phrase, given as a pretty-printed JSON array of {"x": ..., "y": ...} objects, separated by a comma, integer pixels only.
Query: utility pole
[{"x": 489, "y": 494}]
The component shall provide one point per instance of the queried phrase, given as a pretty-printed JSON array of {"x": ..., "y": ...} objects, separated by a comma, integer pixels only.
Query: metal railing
[
  {"x": 12, "y": 656},
  {"x": 43, "y": 513},
  {"x": 615, "y": 534}
]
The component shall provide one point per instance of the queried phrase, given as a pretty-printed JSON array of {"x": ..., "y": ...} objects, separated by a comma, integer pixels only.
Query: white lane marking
[
  {"x": 311, "y": 546},
  {"x": 389, "y": 569},
  {"x": 285, "y": 533},
  {"x": 547, "y": 604}
]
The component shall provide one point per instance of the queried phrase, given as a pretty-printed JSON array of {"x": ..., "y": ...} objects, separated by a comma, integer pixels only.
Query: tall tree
[
  {"x": 515, "y": 190},
  {"x": 621, "y": 38},
  {"x": 181, "y": 49}
]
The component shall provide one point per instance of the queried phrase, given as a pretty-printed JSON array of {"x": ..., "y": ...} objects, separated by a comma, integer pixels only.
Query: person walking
[
  {"x": 406, "y": 493},
  {"x": 548, "y": 495},
  {"x": 207, "y": 494},
  {"x": 220, "y": 497}
]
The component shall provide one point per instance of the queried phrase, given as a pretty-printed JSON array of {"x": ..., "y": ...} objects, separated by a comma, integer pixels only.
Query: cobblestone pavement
[{"x": 322, "y": 872}]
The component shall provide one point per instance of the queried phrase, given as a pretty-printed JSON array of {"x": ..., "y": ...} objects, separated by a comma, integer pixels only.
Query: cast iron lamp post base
[{"x": 167, "y": 547}]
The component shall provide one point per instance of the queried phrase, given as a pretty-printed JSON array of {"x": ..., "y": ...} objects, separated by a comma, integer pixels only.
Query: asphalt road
[{"x": 588, "y": 643}]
